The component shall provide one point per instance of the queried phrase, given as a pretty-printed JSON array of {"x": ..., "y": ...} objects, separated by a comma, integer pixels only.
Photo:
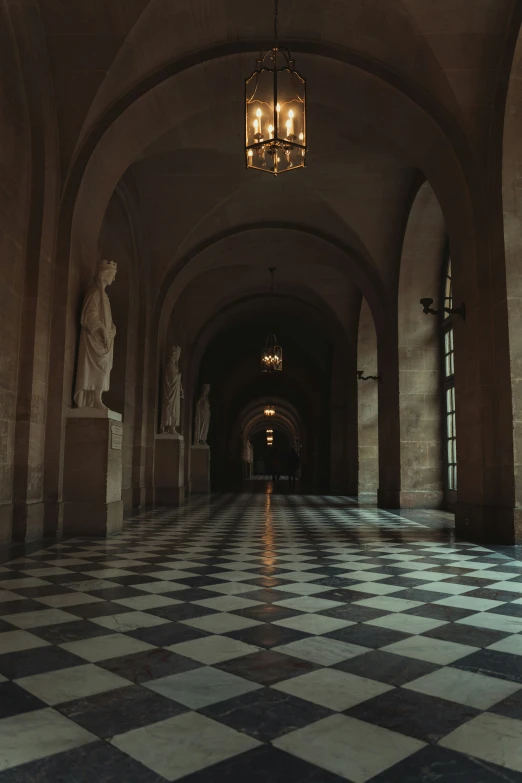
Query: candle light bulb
[
  {"x": 270, "y": 129},
  {"x": 301, "y": 136},
  {"x": 258, "y": 113},
  {"x": 278, "y": 107}
]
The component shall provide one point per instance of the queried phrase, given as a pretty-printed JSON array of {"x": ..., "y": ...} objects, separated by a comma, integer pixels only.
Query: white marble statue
[
  {"x": 172, "y": 392},
  {"x": 96, "y": 341},
  {"x": 202, "y": 420}
]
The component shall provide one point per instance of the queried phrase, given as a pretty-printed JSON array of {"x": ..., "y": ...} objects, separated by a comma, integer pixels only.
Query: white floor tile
[
  {"x": 376, "y": 588},
  {"x": 473, "y": 690},
  {"x": 232, "y": 588},
  {"x": 465, "y": 602},
  {"x": 353, "y": 749},
  {"x": 333, "y": 689},
  {"x": 221, "y": 622},
  {"x": 492, "y": 738},
  {"x": 101, "y": 648},
  {"x": 16, "y": 641},
  {"x": 76, "y": 682},
  {"x": 182, "y": 745},
  {"x": 313, "y": 623},
  {"x": 446, "y": 587},
  {"x": 8, "y": 595},
  {"x": 34, "y": 735},
  {"x": 143, "y": 602},
  {"x": 16, "y": 584},
  {"x": 388, "y": 603},
  {"x": 159, "y": 587},
  {"x": 200, "y": 687},
  {"x": 303, "y": 588},
  {"x": 496, "y": 622},
  {"x": 510, "y": 587},
  {"x": 41, "y": 618},
  {"x": 68, "y": 599},
  {"x": 406, "y": 623},
  {"x": 227, "y": 603},
  {"x": 308, "y": 603},
  {"x": 129, "y": 621},
  {"x": 433, "y": 650},
  {"x": 511, "y": 645},
  {"x": 322, "y": 650},
  {"x": 213, "y": 649}
]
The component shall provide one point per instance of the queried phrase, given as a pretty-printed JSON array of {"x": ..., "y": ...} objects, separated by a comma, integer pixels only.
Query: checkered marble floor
[{"x": 290, "y": 638}]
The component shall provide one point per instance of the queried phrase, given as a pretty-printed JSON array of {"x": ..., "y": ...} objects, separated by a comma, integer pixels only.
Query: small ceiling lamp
[
  {"x": 269, "y": 410},
  {"x": 270, "y": 439},
  {"x": 272, "y": 353},
  {"x": 275, "y": 108},
  {"x": 270, "y": 432}
]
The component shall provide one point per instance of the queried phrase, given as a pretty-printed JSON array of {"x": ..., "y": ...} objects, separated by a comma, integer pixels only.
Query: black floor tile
[
  {"x": 493, "y": 664},
  {"x": 15, "y": 700},
  {"x": 19, "y": 607},
  {"x": 386, "y": 667},
  {"x": 148, "y": 665},
  {"x": 267, "y": 667},
  {"x": 70, "y": 632},
  {"x": 25, "y": 663},
  {"x": 97, "y": 762},
  {"x": 414, "y": 714},
  {"x": 267, "y": 635},
  {"x": 117, "y": 711},
  {"x": 510, "y": 707},
  {"x": 267, "y": 613},
  {"x": 449, "y": 614},
  {"x": 466, "y": 634},
  {"x": 167, "y": 634},
  {"x": 262, "y": 765},
  {"x": 354, "y": 613},
  {"x": 266, "y": 714},
  {"x": 434, "y": 764},
  {"x": 367, "y": 635},
  {"x": 101, "y": 609}
]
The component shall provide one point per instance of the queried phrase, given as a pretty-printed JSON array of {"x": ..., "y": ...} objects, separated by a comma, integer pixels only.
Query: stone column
[
  {"x": 93, "y": 472},
  {"x": 169, "y": 469},
  {"x": 200, "y": 468}
]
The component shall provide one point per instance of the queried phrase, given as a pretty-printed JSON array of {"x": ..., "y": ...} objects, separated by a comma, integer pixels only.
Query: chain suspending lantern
[
  {"x": 272, "y": 353},
  {"x": 275, "y": 108}
]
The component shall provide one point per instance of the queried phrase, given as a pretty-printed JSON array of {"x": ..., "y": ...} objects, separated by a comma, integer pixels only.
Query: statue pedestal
[
  {"x": 169, "y": 470},
  {"x": 93, "y": 473},
  {"x": 200, "y": 469}
]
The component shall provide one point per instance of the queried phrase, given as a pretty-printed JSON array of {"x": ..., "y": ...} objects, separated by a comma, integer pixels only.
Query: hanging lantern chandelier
[
  {"x": 272, "y": 353},
  {"x": 275, "y": 108},
  {"x": 269, "y": 410}
]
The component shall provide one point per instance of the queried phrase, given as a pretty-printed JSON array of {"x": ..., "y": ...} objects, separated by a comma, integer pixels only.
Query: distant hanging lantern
[
  {"x": 269, "y": 410},
  {"x": 275, "y": 108},
  {"x": 272, "y": 353}
]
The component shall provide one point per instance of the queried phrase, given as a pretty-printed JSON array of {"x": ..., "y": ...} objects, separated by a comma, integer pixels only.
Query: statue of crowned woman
[{"x": 96, "y": 341}]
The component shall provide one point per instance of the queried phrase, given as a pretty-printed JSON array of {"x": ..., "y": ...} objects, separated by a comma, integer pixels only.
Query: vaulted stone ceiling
[{"x": 390, "y": 85}]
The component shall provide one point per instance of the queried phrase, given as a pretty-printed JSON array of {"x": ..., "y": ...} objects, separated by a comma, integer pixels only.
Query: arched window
[{"x": 448, "y": 372}]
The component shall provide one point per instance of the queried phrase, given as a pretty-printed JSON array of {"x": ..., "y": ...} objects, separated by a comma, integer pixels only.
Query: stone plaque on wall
[{"x": 116, "y": 435}]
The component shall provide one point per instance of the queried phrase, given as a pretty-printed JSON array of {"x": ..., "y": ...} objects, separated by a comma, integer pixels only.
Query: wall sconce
[
  {"x": 362, "y": 377},
  {"x": 428, "y": 310}
]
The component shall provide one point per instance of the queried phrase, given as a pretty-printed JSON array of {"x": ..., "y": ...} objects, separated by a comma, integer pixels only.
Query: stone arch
[
  {"x": 511, "y": 453},
  {"x": 30, "y": 146},
  {"x": 422, "y": 260}
]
